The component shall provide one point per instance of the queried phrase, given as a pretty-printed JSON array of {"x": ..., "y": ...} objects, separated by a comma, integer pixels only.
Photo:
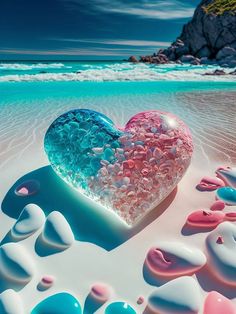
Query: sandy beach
[{"x": 105, "y": 249}]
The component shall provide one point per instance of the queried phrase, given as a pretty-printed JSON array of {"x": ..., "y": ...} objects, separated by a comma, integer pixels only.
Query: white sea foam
[
  {"x": 129, "y": 72},
  {"x": 23, "y": 67}
]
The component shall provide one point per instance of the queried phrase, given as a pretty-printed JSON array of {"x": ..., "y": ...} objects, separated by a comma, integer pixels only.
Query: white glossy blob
[
  {"x": 30, "y": 220},
  {"x": 180, "y": 295},
  {"x": 11, "y": 303},
  {"x": 57, "y": 232},
  {"x": 228, "y": 175},
  {"x": 16, "y": 263},
  {"x": 222, "y": 253}
]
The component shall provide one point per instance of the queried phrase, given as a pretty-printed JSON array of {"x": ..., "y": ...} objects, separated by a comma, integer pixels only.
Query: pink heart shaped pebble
[{"x": 129, "y": 171}]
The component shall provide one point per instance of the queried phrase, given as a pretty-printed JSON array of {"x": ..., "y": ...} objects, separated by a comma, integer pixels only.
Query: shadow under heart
[{"x": 89, "y": 221}]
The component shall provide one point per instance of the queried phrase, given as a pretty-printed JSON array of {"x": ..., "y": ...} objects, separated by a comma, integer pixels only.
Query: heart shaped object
[{"x": 128, "y": 170}]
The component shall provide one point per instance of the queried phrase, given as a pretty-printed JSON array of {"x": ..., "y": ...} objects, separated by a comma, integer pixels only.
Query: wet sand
[{"x": 118, "y": 251}]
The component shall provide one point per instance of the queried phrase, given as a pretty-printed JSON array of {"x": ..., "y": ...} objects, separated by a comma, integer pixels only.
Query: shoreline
[{"x": 120, "y": 72}]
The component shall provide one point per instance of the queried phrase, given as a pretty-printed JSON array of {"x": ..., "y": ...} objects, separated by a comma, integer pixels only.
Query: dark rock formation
[
  {"x": 210, "y": 37},
  {"x": 159, "y": 58},
  {"x": 132, "y": 59},
  {"x": 207, "y": 33},
  {"x": 216, "y": 72},
  {"x": 225, "y": 52}
]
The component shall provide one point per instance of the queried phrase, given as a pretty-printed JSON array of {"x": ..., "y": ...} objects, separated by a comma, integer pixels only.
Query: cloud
[
  {"x": 149, "y": 9},
  {"x": 146, "y": 43},
  {"x": 75, "y": 52},
  {"x": 108, "y": 47},
  {"x": 117, "y": 42}
]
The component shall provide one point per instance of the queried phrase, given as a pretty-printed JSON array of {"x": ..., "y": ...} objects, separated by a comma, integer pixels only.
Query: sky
[{"x": 89, "y": 29}]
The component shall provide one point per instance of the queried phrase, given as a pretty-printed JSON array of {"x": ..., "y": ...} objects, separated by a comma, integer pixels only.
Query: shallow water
[{"x": 28, "y": 108}]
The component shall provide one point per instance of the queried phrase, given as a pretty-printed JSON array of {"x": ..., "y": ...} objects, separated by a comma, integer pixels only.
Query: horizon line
[{"x": 74, "y": 60}]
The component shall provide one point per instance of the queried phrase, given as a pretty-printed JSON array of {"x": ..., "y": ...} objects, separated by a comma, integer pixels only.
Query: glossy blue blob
[
  {"x": 227, "y": 194},
  {"x": 119, "y": 308},
  {"x": 60, "y": 303}
]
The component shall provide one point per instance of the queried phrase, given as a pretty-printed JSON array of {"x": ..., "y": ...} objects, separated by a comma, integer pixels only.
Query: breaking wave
[
  {"x": 120, "y": 72},
  {"x": 24, "y": 67}
]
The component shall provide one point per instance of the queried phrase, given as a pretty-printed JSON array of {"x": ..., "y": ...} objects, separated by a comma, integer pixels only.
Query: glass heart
[{"x": 128, "y": 170}]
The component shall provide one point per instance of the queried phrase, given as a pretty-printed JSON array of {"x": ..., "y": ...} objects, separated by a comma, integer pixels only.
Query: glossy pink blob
[
  {"x": 140, "y": 300},
  {"x": 204, "y": 218},
  {"x": 220, "y": 240},
  {"x": 100, "y": 292},
  {"x": 157, "y": 262},
  {"x": 169, "y": 263},
  {"x": 217, "y": 205},
  {"x": 209, "y": 219},
  {"x": 27, "y": 188},
  {"x": 210, "y": 184},
  {"x": 47, "y": 281},
  {"x": 216, "y": 303},
  {"x": 230, "y": 216},
  {"x": 23, "y": 191}
]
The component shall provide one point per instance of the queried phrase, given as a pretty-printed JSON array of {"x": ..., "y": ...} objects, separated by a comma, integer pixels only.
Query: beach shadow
[
  {"x": 90, "y": 222},
  {"x": 209, "y": 282},
  {"x": 190, "y": 230},
  {"x": 151, "y": 279},
  {"x": 91, "y": 305},
  {"x": 6, "y": 283},
  {"x": 147, "y": 310},
  {"x": 43, "y": 249},
  {"x": 155, "y": 213},
  {"x": 10, "y": 238},
  {"x": 7, "y": 238},
  {"x": 208, "y": 277},
  {"x": 40, "y": 287}
]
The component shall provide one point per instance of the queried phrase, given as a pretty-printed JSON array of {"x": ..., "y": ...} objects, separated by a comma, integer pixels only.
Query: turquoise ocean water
[{"x": 33, "y": 94}]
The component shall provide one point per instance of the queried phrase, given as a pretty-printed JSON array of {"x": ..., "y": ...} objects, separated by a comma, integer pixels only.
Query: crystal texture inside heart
[{"x": 128, "y": 170}]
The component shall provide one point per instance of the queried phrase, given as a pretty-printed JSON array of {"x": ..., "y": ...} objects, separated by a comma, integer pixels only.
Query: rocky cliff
[{"x": 210, "y": 37}]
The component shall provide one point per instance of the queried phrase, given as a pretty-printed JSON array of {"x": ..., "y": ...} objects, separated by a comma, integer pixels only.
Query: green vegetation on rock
[{"x": 221, "y": 6}]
